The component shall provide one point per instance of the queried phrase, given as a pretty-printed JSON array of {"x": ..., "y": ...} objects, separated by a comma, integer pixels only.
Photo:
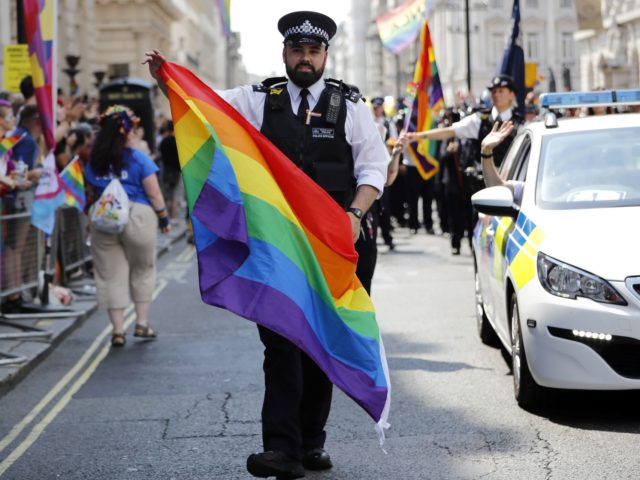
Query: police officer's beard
[{"x": 304, "y": 79}]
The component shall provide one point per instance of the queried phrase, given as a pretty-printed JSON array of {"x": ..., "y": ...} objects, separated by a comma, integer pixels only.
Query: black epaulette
[
  {"x": 270, "y": 83},
  {"x": 348, "y": 91}
]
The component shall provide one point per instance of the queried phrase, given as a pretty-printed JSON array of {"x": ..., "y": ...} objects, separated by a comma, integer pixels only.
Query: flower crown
[{"x": 124, "y": 115}]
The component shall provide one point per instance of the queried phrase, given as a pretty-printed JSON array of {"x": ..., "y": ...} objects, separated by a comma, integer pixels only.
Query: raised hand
[
  {"x": 496, "y": 136},
  {"x": 155, "y": 60}
]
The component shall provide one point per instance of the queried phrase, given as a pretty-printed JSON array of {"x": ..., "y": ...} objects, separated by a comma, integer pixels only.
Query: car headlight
[{"x": 567, "y": 281}]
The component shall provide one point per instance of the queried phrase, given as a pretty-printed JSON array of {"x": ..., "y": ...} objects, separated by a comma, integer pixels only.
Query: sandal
[
  {"x": 118, "y": 340},
  {"x": 144, "y": 332}
]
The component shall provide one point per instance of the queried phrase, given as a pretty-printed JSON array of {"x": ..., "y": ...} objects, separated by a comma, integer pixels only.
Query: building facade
[
  {"x": 609, "y": 44},
  {"x": 108, "y": 39},
  {"x": 547, "y": 29}
]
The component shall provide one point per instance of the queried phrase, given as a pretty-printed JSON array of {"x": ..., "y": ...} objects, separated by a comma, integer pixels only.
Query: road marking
[
  {"x": 39, "y": 428},
  {"x": 58, "y": 407},
  {"x": 17, "y": 429}
]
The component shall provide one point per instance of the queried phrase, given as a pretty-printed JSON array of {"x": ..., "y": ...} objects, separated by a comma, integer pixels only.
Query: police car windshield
[{"x": 592, "y": 169}]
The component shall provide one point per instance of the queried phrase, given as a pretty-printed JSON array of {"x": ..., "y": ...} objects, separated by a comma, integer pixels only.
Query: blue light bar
[{"x": 590, "y": 99}]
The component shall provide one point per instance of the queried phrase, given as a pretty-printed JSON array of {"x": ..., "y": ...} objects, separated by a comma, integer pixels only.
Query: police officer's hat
[
  {"x": 307, "y": 27},
  {"x": 377, "y": 101},
  {"x": 502, "y": 81}
]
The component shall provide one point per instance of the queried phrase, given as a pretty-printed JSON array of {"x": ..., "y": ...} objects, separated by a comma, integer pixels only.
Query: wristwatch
[{"x": 356, "y": 211}]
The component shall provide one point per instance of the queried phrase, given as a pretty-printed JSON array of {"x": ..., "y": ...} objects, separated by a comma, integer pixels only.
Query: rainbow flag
[
  {"x": 47, "y": 197},
  {"x": 273, "y": 247},
  {"x": 40, "y": 26},
  {"x": 72, "y": 182},
  {"x": 224, "y": 7},
  {"x": 398, "y": 28},
  {"x": 8, "y": 143},
  {"x": 427, "y": 104}
]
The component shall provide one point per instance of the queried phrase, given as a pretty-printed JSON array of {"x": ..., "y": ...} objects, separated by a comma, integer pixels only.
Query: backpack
[{"x": 110, "y": 213}]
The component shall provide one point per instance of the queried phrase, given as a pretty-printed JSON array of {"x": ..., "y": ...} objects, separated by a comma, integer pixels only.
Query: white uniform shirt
[
  {"x": 469, "y": 126},
  {"x": 370, "y": 156}
]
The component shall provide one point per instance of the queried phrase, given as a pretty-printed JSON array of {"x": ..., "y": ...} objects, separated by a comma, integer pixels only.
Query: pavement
[{"x": 27, "y": 339}]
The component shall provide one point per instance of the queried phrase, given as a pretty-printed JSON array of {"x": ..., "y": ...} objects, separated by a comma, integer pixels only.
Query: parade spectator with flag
[{"x": 274, "y": 242}]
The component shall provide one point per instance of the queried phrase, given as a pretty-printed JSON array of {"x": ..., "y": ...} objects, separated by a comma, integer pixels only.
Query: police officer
[
  {"x": 389, "y": 133},
  {"x": 479, "y": 125},
  {"x": 324, "y": 129}
]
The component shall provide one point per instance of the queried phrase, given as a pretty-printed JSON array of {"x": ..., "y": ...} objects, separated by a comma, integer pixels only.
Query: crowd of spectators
[{"x": 77, "y": 122}]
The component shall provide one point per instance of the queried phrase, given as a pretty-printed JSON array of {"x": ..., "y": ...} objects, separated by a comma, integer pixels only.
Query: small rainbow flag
[
  {"x": 73, "y": 184},
  {"x": 398, "y": 28},
  {"x": 8, "y": 143},
  {"x": 40, "y": 26},
  {"x": 224, "y": 7},
  {"x": 428, "y": 102},
  {"x": 273, "y": 247}
]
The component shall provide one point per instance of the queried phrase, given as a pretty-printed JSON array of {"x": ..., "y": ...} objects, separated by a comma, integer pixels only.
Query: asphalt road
[{"x": 187, "y": 405}]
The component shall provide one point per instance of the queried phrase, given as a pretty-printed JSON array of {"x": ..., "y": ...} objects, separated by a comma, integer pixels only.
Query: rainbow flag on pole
[
  {"x": 273, "y": 247},
  {"x": 72, "y": 182},
  {"x": 398, "y": 28},
  {"x": 40, "y": 26},
  {"x": 8, "y": 143},
  {"x": 224, "y": 7},
  {"x": 428, "y": 102}
]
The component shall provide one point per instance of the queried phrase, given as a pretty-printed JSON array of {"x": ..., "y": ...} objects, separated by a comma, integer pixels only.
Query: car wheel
[
  {"x": 485, "y": 330},
  {"x": 528, "y": 393}
]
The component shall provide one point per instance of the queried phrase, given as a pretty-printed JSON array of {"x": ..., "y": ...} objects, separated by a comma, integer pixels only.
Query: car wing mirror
[{"x": 496, "y": 201}]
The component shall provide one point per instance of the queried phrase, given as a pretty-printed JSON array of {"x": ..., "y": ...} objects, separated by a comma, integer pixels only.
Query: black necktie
[{"x": 304, "y": 105}]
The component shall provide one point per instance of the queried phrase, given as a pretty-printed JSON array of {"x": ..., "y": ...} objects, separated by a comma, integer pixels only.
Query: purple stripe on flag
[
  {"x": 218, "y": 261},
  {"x": 220, "y": 215},
  {"x": 268, "y": 307}
]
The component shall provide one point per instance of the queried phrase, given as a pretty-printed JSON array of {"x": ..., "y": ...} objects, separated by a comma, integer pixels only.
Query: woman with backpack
[{"x": 124, "y": 259}]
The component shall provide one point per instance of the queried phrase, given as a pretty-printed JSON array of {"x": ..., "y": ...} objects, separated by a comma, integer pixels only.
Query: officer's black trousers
[
  {"x": 384, "y": 218},
  {"x": 297, "y": 398},
  {"x": 418, "y": 187}
]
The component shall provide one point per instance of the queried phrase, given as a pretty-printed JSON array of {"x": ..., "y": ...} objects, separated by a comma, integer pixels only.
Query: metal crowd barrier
[{"x": 25, "y": 266}]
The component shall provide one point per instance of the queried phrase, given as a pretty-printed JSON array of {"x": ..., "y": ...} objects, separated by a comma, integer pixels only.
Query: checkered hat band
[{"x": 307, "y": 29}]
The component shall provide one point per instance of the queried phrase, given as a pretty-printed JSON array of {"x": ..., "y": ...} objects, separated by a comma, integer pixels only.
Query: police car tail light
[{"x": 566, "y": 281}]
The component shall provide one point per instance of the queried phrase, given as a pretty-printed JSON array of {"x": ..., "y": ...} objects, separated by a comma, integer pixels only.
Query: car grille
[{"x": 622, "y": 354}]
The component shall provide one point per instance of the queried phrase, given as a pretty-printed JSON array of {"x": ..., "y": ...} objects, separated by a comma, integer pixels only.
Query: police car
[{"x": 557, "y": 265}]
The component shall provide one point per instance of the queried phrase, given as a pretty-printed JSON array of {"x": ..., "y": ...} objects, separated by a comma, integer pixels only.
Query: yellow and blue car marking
[{"x": 518, "y": 243}]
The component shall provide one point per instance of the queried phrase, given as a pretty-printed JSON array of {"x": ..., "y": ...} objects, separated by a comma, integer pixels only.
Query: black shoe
[
  {"x": 274, "y": 464},
  {"x": 430, "y": 231},
  {"x": 455, "y": 251},
  {"x": 316, "y": 459}
]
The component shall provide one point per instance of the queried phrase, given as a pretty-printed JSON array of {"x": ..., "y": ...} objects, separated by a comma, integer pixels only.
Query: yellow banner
[
  {"x": 530, "y": 74},
  {"x": 16, "y": 66}
]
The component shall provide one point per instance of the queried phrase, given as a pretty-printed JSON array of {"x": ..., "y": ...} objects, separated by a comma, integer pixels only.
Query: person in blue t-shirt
[{"x": 124, "y": 263}]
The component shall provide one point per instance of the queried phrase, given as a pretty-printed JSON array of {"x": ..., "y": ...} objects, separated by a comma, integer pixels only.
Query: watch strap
[{"x": 356, "y": 211}]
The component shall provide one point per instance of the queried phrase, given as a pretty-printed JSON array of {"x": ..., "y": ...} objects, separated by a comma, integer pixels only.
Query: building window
[
  {"x": 118, "y": 70},
  {"x": 566, "y": 46},
  {"x": 532, "y": 47},
  {"x": 532, "y": 3},
  {"x": 566, "y": 3},
  {"x": 496, "y": 48}
]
